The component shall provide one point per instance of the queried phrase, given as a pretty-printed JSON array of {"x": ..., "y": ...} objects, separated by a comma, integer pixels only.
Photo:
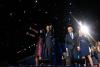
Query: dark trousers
[{"x": 48, "y": 55}]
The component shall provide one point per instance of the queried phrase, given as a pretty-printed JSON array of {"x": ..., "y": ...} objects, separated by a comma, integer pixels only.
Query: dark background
[{"x": 17, "y": 16}]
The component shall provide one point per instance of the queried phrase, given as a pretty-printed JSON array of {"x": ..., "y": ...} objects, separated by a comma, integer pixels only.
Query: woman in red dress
[{"x": 39, "y": 49}]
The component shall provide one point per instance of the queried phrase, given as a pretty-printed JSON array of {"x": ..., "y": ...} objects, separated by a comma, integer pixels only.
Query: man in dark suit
[
  {"x": 70, "y": 44},
  {"x": 49, "y": 43}
]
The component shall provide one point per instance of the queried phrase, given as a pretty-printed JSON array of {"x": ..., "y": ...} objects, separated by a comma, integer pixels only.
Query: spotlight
[{"x": 84, "y": 28}]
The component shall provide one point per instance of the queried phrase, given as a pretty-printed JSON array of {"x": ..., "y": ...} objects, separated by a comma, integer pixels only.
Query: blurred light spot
[
  {"x": 24, "y": 11},
  {"x": 46, "y": 12},
  {"x": 11, "y": 14}
]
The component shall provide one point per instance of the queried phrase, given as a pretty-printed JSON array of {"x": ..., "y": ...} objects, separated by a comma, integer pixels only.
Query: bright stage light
[
  {"x": 88, "y": 31},
  {"x": 84, "y": 28}
]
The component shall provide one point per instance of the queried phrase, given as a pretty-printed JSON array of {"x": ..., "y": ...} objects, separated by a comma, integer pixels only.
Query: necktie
[{"x": 72, "y": 36}]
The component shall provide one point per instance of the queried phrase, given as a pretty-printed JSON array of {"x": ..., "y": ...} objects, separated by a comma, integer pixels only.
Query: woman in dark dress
[
  {"x": 84, "y": 47},
  {"x": 49, "y": 42}
]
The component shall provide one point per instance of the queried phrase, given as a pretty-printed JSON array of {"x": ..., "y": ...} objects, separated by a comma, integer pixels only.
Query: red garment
[{"x": 39, "y": 47}]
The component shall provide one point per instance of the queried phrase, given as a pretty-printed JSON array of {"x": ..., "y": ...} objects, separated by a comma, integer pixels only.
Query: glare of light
[
  {"x": 80, "y": 24},
  {"x": 85, "y": 29}
]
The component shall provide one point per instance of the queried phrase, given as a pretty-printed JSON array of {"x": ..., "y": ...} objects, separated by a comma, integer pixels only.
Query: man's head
[
  {"x": 48, "y": 28},
  {"x": 70, "y": 29}
]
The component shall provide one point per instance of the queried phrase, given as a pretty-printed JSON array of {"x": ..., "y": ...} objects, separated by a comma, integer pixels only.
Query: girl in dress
[{"x": 84, "y": 47}]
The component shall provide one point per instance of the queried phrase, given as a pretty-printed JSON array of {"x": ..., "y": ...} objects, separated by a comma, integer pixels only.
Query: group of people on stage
[
  {"x": 45, "y": 45},
  {"x": 78, "y": 50}
]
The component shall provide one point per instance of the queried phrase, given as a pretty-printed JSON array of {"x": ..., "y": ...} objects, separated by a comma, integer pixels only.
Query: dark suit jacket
[
  {"x": 49, "y": 42},
  {"x": 70, "y": 43}
]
